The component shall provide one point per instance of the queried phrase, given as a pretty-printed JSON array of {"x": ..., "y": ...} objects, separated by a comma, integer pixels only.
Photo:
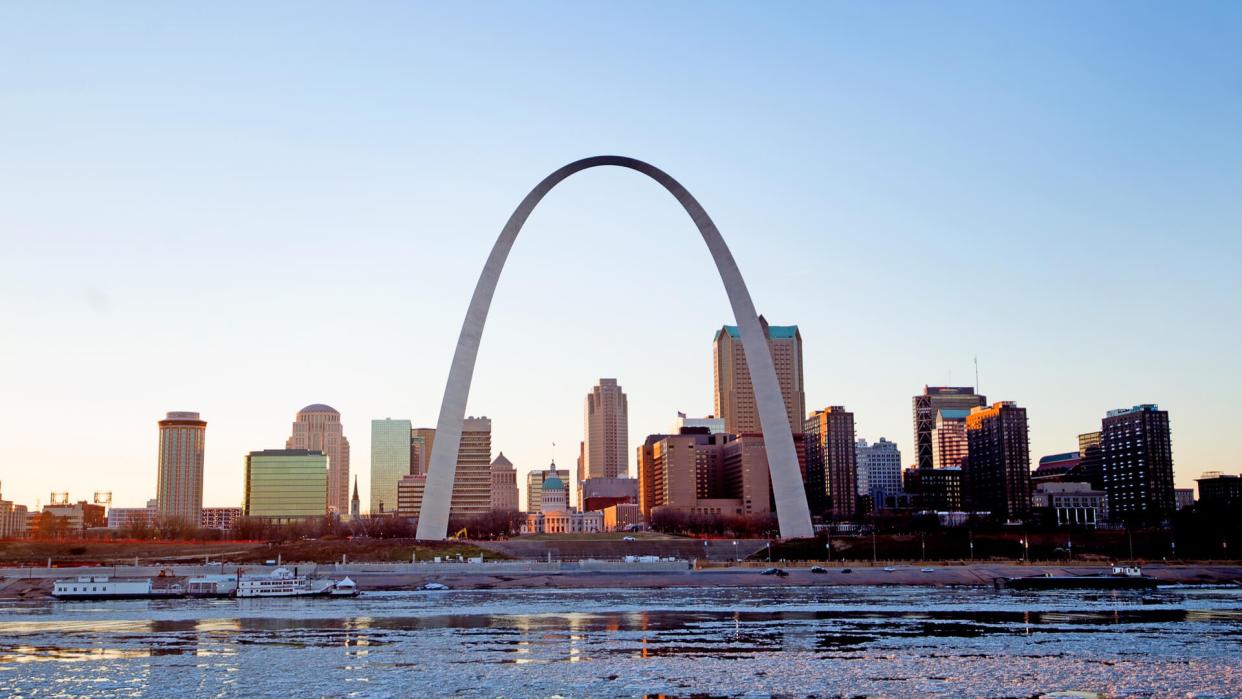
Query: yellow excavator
[{"x": 461, "y": 534}]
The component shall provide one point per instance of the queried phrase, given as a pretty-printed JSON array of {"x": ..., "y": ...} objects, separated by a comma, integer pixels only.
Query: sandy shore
[{"x": 16, "y": 585}]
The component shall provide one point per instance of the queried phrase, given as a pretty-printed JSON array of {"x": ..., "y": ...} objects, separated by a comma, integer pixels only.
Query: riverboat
[
  {"x": 283, "y": 583},
  {"x": 101, "y": 587},
  {"x": 1121, "y": 578}
]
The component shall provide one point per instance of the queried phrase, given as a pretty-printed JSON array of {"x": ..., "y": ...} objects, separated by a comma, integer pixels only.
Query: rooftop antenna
[{"x": 978, "y": 390}]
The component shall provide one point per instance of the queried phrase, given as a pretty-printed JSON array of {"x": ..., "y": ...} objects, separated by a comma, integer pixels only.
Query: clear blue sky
[{"x": 243, "y": 208}]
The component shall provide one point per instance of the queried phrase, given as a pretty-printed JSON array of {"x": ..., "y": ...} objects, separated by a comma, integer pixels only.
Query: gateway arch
[{"x": 792, "y": 512}]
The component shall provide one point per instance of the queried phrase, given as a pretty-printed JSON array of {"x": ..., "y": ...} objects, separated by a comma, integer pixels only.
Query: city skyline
[
  {"x": 1080, "y": 219},
  {"x": 408, "y": 433}
]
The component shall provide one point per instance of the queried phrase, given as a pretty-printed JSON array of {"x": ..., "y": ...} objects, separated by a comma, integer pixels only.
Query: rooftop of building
[
  {"x": 1064, "y": 457},
  {"x": 500, "y": 460},
  {"x": 948, "y": 390},
  {"x": 1144, "y": 408},
  {"x": 775, "y": 332},
  {"x": 953, "y": 413},
  {"x": 319, "y": 408},
  {"x": 181, "y": 415},
  {"x": 287, "y": 452}
]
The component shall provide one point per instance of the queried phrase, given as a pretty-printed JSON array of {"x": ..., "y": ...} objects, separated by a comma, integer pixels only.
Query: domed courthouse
[{"x": 556, "y": 517}]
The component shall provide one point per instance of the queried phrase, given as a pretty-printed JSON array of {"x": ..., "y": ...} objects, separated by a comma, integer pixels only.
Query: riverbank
[
  {"x": 76, "y": 552},
  {"x": 34, "y": 583}
]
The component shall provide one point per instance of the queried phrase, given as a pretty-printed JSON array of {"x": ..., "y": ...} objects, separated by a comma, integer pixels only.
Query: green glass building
[
  {"x": 390, "y": 461},
  {"x": 286, "y": 484}
]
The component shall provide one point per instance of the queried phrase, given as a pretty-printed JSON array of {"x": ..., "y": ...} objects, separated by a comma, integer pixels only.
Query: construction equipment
[{"x": 461, "y": 534}]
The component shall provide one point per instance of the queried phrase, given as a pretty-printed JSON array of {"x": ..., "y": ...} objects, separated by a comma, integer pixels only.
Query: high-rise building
[
  {"x": 714, "y": 424},
  {"x": 682, "y": 472},
  {"x": 1184, "y": 497},
  {"x": 179, "y": 483},
  {"x": 605, "y": 447},
  {"x": 1138, "y": 463},
  {"x": 949, "y": 446},
  {"x": 422, "y": 439},
  {"x": 735, "y": 395},
  {"x": 318, "y": 427},
  {"x": 534, "y": 485},
  {"x": 219, "y": 517},
  {"x": 935, "y": 489},
  {"x": 286, "y": 485},
  {"x": 831, "y": 462},
  {"x": 504, "y": 485},
  {"x": 1091, "y": 459},
  {"x": 123, "y": 517},
  {"x": 933, "y": 399},
  {"x": 1088, "y": 440},
  {"x": 700, "y": 473},
  {"x": 472, "y": 484},
  {"x": 390, "y": 462},
  {"x": 997, "y": 475},
  {"x": 581, "y": 464},
  {"x": 1219, "y": 493},
  {"x": 879, "y": 471},
  {"x": 12, "y": 519},
  {"x": 410, "y": 491}
]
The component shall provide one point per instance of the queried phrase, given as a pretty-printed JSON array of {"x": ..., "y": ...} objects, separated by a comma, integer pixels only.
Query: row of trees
[
  {"x": 742, "y": 526},
  {"x": 492, "y": 525}
]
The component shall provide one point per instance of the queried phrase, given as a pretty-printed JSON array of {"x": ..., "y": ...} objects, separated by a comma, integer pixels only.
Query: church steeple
[{"x": 355, "y": 505}]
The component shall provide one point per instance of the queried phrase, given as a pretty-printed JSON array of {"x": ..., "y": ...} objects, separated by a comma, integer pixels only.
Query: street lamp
[
  {"x": 735, "y": 559},
  {"x": 769, "y": 551}
]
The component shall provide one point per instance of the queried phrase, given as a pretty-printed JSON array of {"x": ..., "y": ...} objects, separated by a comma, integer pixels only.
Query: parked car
[{"x": 778, "y": 572}]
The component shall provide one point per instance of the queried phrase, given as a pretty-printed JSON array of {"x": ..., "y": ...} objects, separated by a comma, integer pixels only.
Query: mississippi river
[{"x": 887, "y": 641}]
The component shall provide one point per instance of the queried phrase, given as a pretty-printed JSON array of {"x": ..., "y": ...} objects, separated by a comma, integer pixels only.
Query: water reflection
[{"x": 880, "y": 640}]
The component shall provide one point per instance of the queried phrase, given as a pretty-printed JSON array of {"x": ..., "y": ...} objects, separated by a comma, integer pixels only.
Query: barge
[{"x": 1121, "y": 578}]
